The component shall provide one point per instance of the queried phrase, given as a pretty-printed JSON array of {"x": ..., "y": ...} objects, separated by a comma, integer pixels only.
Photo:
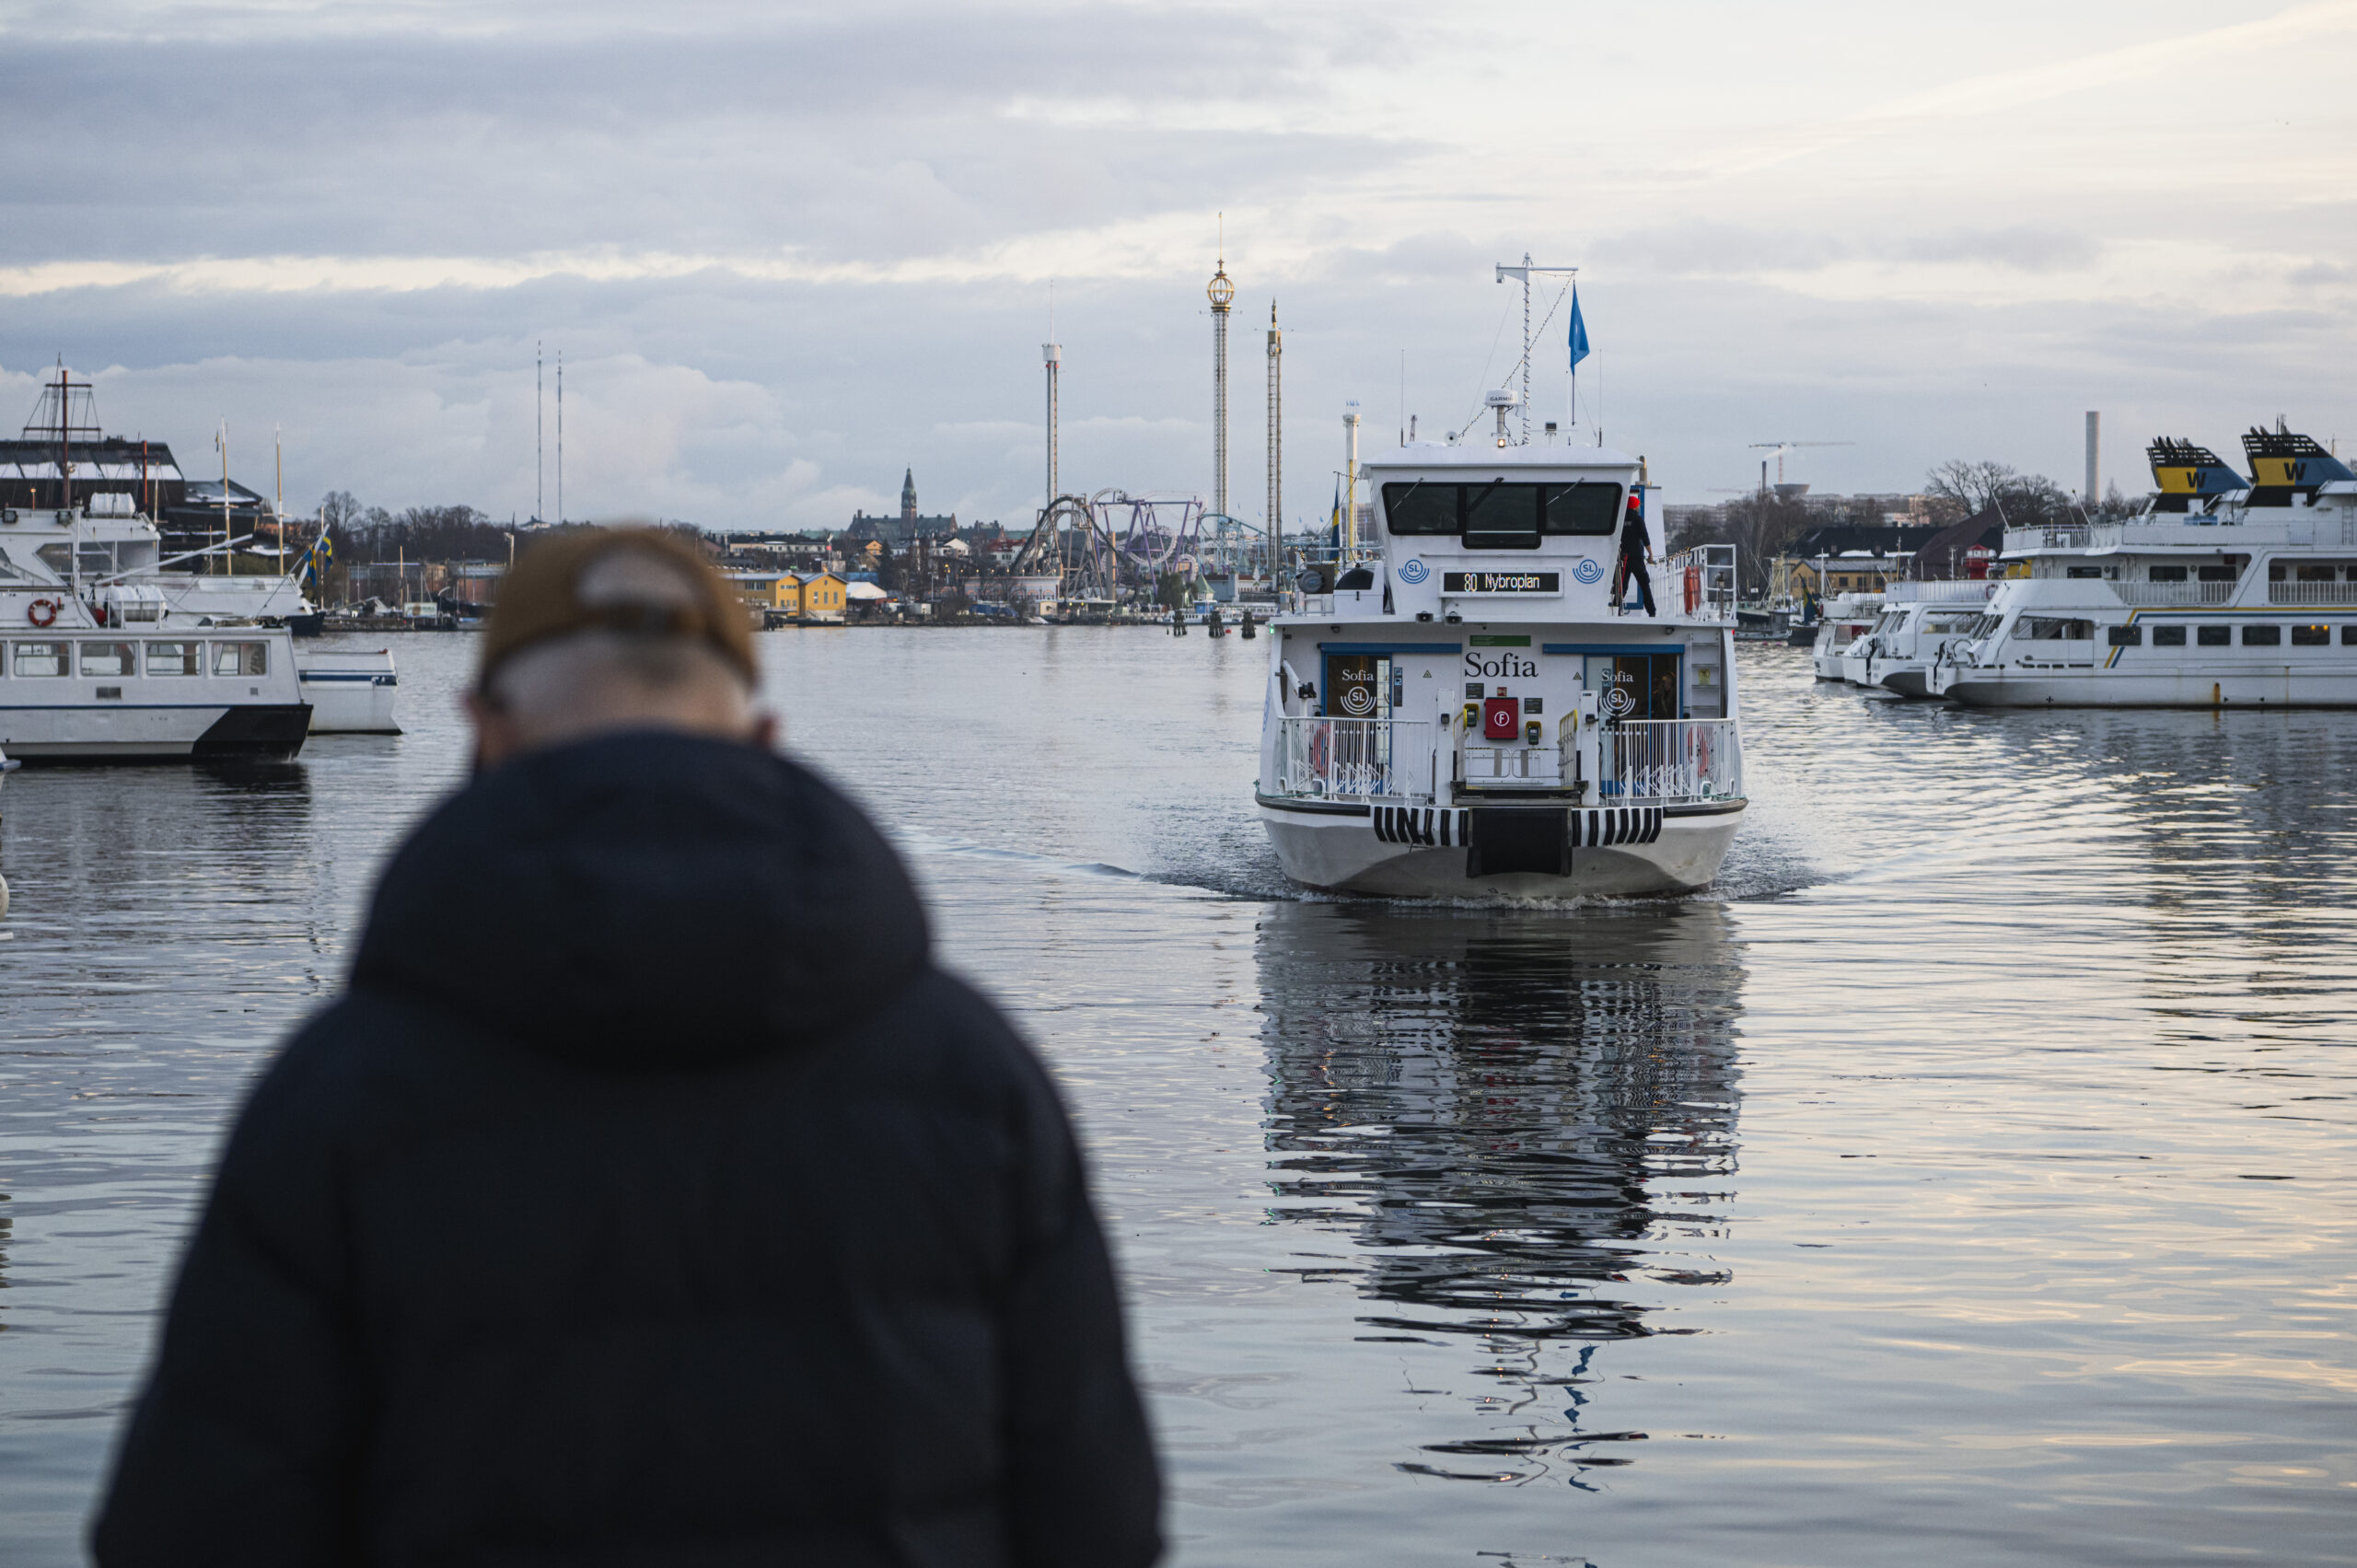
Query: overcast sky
[{"x": 789, "y": 252}]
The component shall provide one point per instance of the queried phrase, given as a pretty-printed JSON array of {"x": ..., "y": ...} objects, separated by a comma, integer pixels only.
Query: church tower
[{"x": 909, "y": 500}]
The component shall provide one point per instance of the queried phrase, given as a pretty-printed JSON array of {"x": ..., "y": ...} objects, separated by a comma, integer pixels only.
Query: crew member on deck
[{"x": 1636, "y": 547}]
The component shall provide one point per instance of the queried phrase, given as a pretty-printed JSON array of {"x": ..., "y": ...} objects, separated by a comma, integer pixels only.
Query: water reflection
[{"x": 1519, "y": 1122}]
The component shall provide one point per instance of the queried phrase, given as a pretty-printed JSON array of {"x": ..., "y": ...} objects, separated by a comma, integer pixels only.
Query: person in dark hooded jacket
[{"x": 649, "y": 1196}]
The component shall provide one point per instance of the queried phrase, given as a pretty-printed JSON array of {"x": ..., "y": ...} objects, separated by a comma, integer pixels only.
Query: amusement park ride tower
[{"x": 1223, "y": 295}]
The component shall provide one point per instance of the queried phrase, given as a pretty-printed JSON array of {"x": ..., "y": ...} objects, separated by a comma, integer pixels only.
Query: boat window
[
  {"x": 2166, "y": 574},
  {"x": 176, "y": 659},
  {"x": 2168, "y": 637},
  {"x": 2262, "y": 637},
  {"x": 2083, "y": 572},
  {"x": 2215, "y": 636},
  {"x": 97, "y": 558},
  {"x": 2126, "y": 636},
  {"x": 2052, "y": 629},
  {"x": 1588, "y": 507},
  {"x": 1420, "y": 507},
  {"x": 2215, "y": 574},
  {"x": 2316, "y": 573},
  {"x": 1499, "y": 515},
  {"x": 135, "y": 554},
  {"x": 242, "y": 658},
  {"x": 1942, "y": 625},
  {"x": 40, "y": 658},
  {"x": 2311, "y": 636},
  {"x": 109, "y": 659},
  {"x": 2349, "y": 635},
  {"x": 57, "y": 557}
]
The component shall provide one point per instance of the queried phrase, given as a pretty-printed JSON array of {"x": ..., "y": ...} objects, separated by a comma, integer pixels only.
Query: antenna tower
[
  {"x": 1524, "y": 273},
  {"x": 1275, "y": 529},
  {"x": 1223, "y": 295}
]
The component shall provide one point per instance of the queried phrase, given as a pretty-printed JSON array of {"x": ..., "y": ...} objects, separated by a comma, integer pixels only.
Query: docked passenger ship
[
  {"x": 2223, "y": 592},
  {"x": 1465, "y": 708},
  {"x": 97, "y": 667}
]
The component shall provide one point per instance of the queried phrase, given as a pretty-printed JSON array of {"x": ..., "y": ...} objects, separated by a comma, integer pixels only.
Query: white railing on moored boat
[
  {"x": 2312, "y": 593},
  {"x": 1670, "y": 760},
  {"x": 2145, "y": 596},
  {"x": 1322, "y": 759}
]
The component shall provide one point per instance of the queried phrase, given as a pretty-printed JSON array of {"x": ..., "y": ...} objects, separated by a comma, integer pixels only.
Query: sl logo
[
  {"x": 1588, "y": 571},
  {"x": 1414, "y": 570}
]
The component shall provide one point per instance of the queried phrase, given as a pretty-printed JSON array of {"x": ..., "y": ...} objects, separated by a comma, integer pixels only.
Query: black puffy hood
[{"x": 647, "y": 899}]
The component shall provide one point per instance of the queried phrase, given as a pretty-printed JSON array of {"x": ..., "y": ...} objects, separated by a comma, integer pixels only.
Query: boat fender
[{"x": 42, "y": 611}]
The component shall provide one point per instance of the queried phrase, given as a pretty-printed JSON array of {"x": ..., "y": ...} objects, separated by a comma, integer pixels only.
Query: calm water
[{"x": 1969, "y": 1176}]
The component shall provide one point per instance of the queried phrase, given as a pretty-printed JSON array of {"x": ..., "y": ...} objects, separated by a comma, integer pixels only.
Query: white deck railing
[
  {"x": 2312, "y": 593},
  {"x": 2161, "y": 595},
  {"x": 1321, "y": 759},
  {"x": 1652, "y": 760}
]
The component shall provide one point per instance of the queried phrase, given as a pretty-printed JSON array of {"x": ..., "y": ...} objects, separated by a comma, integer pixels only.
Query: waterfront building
[
  {"x": 907, "y": 527},
  {"x": 823, "y": 599}
]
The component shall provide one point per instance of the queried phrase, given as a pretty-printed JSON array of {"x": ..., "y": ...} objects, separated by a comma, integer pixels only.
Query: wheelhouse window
[
  {"x": 2311, "y": 636},
  {"x": 1499, "y": 515},
  {"x": 2214, "y": 636},
  {"x": 176, "y": 659},
  {"x": 1590, "y": 507},
  {"x": 112, "y": 659},
  {"x": 1420, "y": 507},
  {"x": 40, "y": 658},
  {"x": 2262, "y": 637},
  {"x": 2168, "y": 637},
  {"x": 2126, "y": 636},
  {"x": 242, "y": 658},
  {"x": 2166, "y": 575},
  {"x": 1505, "y": 516}
]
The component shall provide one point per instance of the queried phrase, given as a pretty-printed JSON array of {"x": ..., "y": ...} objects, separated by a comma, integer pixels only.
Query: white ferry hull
[
  {"x": 143, "y": 732},
  {"x": 2278, "y": 687},
  {"x": 1348, "y": 853},
  {"x": 350, "y": 693}
]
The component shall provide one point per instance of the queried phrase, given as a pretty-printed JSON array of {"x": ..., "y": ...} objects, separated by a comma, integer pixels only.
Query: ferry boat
[
  {"x": 98, "y": 669},
  {"x": 1463, "y": 707},
  {"x": 1847, "y": 618},
  {"x": 105, "y": 554},
  {"x": 2222, "y": 592},
  {"x": 1919, "y": 620}
]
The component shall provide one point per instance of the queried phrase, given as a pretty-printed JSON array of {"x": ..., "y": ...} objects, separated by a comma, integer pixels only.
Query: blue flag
[{"x": 1579, "y": 329}]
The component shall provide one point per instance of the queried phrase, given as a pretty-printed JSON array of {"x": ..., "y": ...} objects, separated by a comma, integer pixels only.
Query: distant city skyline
[{"x": 788, "y": 252}]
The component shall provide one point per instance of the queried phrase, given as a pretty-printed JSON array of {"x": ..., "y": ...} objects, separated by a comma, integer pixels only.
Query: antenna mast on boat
[{"x": 1525, "y": 273}]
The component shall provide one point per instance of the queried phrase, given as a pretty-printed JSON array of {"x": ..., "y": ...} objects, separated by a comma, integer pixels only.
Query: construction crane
[{"x": 1777, "y": 450}]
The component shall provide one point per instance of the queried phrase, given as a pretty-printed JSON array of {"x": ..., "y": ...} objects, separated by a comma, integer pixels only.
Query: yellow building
[
  {"x": 771, "y": 595},
  {"x": 822, "y": 600}
]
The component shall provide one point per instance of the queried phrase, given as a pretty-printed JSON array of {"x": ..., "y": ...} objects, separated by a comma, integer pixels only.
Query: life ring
[
  {"x": 1321, "y": 751},
  {"x": 42, "y": 611}
]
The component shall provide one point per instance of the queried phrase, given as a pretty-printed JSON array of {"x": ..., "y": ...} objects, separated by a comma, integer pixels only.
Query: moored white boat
[
  {"x": 350, "y": 690},
  {"x": 2222, "y": 592},
  {"x": 1847, "y": 618},
  {"x": 96, "y": 670},
  {"x": 1918, "y": 621},
  {"x": 1467, "y": 709}
]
